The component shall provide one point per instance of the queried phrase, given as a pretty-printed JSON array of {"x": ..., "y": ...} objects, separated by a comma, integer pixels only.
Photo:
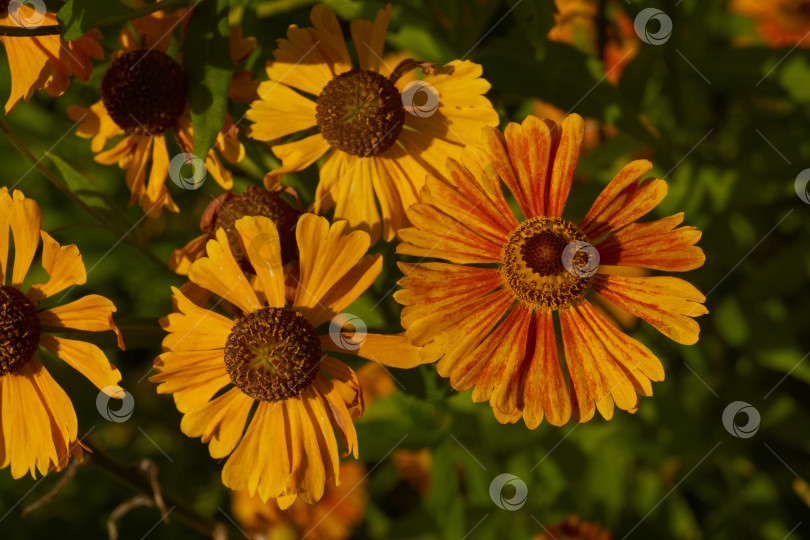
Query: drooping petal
[
  {"x": 92, "y": 313},
  {"x": 296, "y": 156},
  {"x": 85, "y": 358},
  {"x": 220, "y": 421},
  {"x": 668, "y": 303}
]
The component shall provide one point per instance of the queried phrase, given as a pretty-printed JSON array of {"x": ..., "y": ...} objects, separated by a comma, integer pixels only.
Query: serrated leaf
[{"x": 209, "y": 69}]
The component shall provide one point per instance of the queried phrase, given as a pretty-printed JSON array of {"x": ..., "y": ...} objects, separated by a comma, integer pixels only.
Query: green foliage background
[{"x": 725, "y": 124}]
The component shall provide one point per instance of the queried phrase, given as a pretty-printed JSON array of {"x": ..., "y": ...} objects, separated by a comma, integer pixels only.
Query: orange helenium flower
[
  {"x": 44, "y": 62},
  {"x": 271, "y": 357},
  {"x": 38, "y": 426},
  {"x": 781, "y": 23},
  {"x": 378, "y": 149},
  {"x": 487, "y": 315},
  {"x": 143, "y": 96},
  {"x": 332, "y": 518}
]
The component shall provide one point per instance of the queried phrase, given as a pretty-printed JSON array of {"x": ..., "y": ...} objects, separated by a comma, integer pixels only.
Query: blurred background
[{"x": 716, "y": 94}]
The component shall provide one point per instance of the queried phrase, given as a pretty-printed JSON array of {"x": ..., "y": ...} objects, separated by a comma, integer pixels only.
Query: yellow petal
[
  {"x": 259, "y": 239},
  {"x": 221, "y": 421},
  {"x": 65, "y": 269},
  {"x": 393, "y": 350},
  {"x": 85, "y": 358},
  {"x": 369, "y": 39},
  {"x": 26, "y": 223},
  {"x": 92, "y": 313},
  {"x": 220, "y": 274},
  {"x": 279, "y": 111}
]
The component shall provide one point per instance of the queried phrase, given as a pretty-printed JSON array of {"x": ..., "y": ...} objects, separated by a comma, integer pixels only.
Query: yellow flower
[
  {"x": 381, "y": 136},
  {"x": 143, "y": 95},
  {"x": 487, "y": 315},
  {"x": 332, "y": 518},
  {"x": 44, "y": 62},
  {"x": 38, "y": 426},
  {"x": 271, "y": 357},
  {"x": 781, "y": 23}
]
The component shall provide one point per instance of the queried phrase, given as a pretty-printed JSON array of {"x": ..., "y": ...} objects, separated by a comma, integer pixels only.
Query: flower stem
[{"x": 134, "y": 479}]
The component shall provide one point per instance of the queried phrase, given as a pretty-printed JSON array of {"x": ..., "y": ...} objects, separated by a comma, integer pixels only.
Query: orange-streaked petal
[
  {"x": 658, "y": 245},
  {"x": 571, "y": 134},
  {"x": 545, "y": 390},
  {"x": 668, "y": 303}
]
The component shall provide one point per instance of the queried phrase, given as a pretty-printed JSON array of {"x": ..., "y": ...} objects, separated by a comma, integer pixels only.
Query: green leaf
[
  {"x": 209, "y": 69},
  {"x": 78, "y": 16}
]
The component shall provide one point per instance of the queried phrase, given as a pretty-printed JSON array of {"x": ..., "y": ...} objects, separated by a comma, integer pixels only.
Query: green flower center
[
  {"x": 19, "y": 330},
  {"x": 272, "y": 354}
]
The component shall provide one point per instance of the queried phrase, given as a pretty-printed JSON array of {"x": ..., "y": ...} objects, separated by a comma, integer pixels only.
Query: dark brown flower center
[
  {"x": 144, "y": 91},
  {"x": 226, "y": 211},
  {"x": 545, "y": 262},
  {"x": 360, "y": 112},
  {"x": 272, "y": 354},
  {"x": 19, "y": 330}
]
